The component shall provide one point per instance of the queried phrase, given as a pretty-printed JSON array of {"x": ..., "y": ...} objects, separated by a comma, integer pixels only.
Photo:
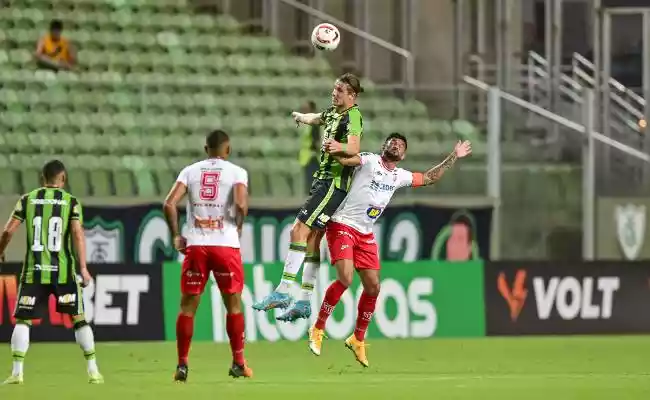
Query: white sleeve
[
  {"x": 184, "y": 176},
  {"x": 241, "y": 176},
  {"x": 404, "y": 178},
  {"x": 367, "y": 157}
]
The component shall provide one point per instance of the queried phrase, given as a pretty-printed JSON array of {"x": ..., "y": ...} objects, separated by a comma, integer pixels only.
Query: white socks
[
  {"x": 309, "y": 274},
  {"x": 19, "y": 347},
  {"x": 86, "y": 340},
  {"x": 292, "y": 265}
]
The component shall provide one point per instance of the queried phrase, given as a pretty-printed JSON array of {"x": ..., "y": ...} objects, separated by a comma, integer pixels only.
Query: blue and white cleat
[
  {"x": 274, "y": 300},
  {"x": 301, "y": 309}
]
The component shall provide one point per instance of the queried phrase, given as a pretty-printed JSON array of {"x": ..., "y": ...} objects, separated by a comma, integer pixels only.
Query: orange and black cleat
[{"x": 240, "y": 371}]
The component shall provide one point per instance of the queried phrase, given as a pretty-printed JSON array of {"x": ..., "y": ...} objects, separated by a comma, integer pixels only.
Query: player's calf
[
  {"x": 235, "y": 327},
  {"x": 367, "y": 301},
  {"x": 85, "y": 338},
  {"x": 184, "y": 333},
  {"x": 19, "y": 347}
]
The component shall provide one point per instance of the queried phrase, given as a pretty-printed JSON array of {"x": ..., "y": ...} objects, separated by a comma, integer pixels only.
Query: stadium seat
[{"x": 155, "y": 76}]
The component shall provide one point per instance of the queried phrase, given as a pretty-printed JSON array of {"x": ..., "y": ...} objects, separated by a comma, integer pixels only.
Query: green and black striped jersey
[
  {"x": 47, "y": 213},
  {"x": 339, "y": 126}
]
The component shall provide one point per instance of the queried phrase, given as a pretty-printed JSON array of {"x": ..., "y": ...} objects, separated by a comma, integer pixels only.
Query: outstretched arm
[
  {"x": 309, "y": 118},
  {"x": 433, "y": 174}
]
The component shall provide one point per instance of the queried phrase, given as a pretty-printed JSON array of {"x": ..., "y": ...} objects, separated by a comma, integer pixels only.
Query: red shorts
[
  {"x": 225, "y": 263},
  {"x": 346, "y": 243}
]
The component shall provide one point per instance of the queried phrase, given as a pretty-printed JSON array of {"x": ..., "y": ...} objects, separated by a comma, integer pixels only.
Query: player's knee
[
  {"x": 24, "y": 322},
  {"x": 345, "y": 278},
  {"x": 189, "y": 304},
  {"x": 313, "y": 240},
  {"x": 372, "y": 288},
  {"x": 299, "y": 232},
  {"x": 232, "y": 302}
]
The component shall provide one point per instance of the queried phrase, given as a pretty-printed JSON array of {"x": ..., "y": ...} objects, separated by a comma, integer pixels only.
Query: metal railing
[
  {"x": 494, "y": 133},
  {"x": 629, "y": 105},
  {"x": 409, "y": 59}
]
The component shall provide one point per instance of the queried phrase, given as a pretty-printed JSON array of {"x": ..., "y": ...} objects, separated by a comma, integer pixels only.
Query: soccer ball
[{"x": 325, "y": 37}]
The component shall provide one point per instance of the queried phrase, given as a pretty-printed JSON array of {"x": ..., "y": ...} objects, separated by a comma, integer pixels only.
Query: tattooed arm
[{"x": 433, "y": 174}]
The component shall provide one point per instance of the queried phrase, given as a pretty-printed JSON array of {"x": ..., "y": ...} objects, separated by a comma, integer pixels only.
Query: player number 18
[{"x": 54, "y": 231}]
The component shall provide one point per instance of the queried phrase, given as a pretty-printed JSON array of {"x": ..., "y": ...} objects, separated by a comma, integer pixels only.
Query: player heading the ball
[
  {"x": 217, "y": 205},
  {"x": 342, "y": 138},
  {"x": 350, "y": 236}
]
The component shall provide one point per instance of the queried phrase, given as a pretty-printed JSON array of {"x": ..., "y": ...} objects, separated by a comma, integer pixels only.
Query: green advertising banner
[{"x": 418, "y": 300}]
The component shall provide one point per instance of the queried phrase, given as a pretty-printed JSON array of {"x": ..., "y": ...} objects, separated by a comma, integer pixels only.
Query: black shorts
[
  {"x": 33, "y": 297},
  {"x": 324, "y": 199}
]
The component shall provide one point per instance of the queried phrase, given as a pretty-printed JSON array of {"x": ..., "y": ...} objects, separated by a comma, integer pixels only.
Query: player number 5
[
  {"x": 54, "y": 231},
  {"x": 209, "y": 185}
]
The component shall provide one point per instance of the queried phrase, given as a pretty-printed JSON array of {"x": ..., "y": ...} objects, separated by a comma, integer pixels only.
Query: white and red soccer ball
[{"x": 325, "y": 37}]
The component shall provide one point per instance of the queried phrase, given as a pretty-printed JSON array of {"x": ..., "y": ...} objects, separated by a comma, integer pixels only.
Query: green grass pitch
[{"x": 489, "y": 368}]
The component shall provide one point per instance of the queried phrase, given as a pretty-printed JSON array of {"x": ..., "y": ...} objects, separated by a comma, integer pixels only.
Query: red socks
[
  {"x": 184, "y": 332},
  {"x": 235, "y": 327},
  {"x": 365, "y": 310},
  {"x": 332, "y": 297}
]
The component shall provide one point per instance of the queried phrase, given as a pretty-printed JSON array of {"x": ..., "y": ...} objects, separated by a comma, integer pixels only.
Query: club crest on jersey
[{"x": 373, "y": 212}]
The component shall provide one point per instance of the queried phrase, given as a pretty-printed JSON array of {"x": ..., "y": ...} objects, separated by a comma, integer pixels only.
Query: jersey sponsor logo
[
  {"x": 323, "y": 218},
  {"x": 54, "y": 202},
  {"x": 27, "y": 301},
  {"x": 46, "y": 268},
  {"x": 209, "y": 223},
  {"x": 374, "y": 212},
  {"x": 67, "y": 298},
  {"x": 381, "y": 187}
]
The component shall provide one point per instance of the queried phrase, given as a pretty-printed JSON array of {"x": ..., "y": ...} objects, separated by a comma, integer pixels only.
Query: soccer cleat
[
  {"x": 358, "y": 348},
  {"x": 300, "y": 309},
  {"x": 181, "y": 373},
  {"x": 14, "y": 380},
  {"x": 239, "y": 371},
  {"x": 95, "y": 378},
  {"x": 274, "y": 300},
  {"x": 316, "y": 339}
]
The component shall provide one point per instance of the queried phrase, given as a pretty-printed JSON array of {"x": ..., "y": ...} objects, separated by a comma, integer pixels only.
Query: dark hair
[
  {"x": 396, "y": 135},
  {"x": 52, "y": 169},
  {"x": 216, "y": 139},
  {"x": 353, "y": 81},
  {"x": 464, "y": 217},
  {"x": 56, "y": 25}
]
